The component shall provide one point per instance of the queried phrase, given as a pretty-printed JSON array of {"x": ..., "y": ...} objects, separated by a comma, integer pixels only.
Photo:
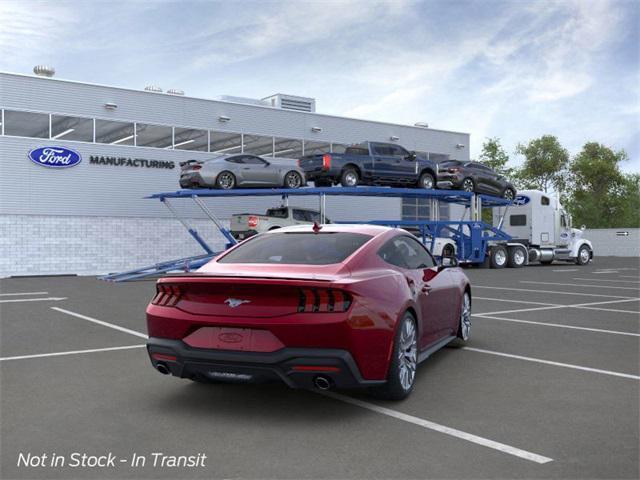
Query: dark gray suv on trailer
[{"x": 474, "y": 177}]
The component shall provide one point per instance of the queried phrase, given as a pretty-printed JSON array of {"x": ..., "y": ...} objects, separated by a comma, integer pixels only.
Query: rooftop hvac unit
[
  {"x": 175, "y": 91},
  {"x": 44, "y": 71},
  {"x": 153, "y": 88},
  {"x": 291, "y": 102}
]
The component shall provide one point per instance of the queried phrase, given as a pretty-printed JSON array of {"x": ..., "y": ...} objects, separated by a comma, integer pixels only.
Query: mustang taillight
[
  {"x": 323, "y": 300},
  {"x": 167, "y": 295},
  {"x": 326, "y": 161}
]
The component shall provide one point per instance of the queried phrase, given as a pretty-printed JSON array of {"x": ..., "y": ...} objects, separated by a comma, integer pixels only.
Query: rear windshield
[
  {"x": 297, "y": 248},
  {"x": 277, "y": 212}
]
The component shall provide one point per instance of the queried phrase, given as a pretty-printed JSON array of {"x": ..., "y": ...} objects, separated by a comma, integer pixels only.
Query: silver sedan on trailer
[{"x": 241, "y": 170}]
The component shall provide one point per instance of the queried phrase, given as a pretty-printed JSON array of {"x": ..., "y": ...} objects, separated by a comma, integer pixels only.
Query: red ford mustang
[{"x": 338, "y": 306}]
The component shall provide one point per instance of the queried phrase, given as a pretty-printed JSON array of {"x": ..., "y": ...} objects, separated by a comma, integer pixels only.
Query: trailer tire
[
  {"x": 517, "y": 257},
  {"x": 498, "y": 256}
]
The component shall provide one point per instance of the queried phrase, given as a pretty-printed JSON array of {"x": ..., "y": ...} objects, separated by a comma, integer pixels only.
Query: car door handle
[
  {"x": 246, "y": 168},
  {"x": 426, "y": 288}
]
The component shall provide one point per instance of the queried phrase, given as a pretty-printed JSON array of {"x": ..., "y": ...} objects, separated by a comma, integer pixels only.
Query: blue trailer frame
[{"x": 472, "y": 236}]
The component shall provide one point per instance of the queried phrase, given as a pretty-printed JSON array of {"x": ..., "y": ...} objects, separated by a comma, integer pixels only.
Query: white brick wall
[
  {"x": 53, "y": 245},
  {"x": 607, "y": 242}
]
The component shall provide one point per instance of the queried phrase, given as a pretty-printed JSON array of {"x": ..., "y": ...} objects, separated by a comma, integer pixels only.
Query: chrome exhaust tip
[
  {"x": 322, "y": 383},
  {"x": 163, "y": 369}
]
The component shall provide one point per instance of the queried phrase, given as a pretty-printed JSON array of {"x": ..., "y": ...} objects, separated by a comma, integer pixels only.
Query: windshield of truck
[
  {"x": 277, "y": 212},
  {"x": 297, "y": 248}
]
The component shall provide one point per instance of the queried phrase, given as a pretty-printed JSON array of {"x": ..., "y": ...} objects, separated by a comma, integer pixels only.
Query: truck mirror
[{"x": 583, "y": 227}]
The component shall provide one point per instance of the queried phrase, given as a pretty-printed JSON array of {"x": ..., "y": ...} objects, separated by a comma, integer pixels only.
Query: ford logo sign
[
  {"x": 55, "y": 157},
  {"x": 521, "y": 200}
]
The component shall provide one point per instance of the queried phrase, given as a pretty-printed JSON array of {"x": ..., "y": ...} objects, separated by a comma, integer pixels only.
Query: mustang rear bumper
[{"x": 296, "y": 367}]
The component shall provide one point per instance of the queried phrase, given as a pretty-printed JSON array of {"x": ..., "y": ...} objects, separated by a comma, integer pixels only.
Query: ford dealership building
[{"x": 80, "y": 209}]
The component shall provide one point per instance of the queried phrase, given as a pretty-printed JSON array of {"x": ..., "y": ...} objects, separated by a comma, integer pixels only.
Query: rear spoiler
[
  {"x": 223, "y": 279},
  {"x": 189, "y": 162}
]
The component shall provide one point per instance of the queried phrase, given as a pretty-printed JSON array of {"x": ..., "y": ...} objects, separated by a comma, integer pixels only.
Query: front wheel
[
  {"x": 464, "y": 328},
  {"x": 584, "y": 255},
  {"x": 293, "y": 179},
  {"x": 426, "y": 181},
  {"x": 226, "y": 180},
  {"x": 404, "y": 361}
]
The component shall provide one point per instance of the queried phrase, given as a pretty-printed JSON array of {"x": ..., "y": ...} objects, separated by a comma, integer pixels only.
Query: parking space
[{"x": 547, "y": 387}]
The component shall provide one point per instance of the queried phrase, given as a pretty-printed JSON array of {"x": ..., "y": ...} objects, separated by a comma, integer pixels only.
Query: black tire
[
  {"x": 293, "y": 180},
  {"x": 508, "y": 194},
  {"x": 464, "y": 324},
  {"x": 498, "y": 257},
  {"x": 468, "y": 185},
  {"x": 225, "y": 180},
  {"x": 393, "y": 389},
  {"x": 584, "y": 255},
  {"x": 448, "y": 251},
  {"x": 517, "y": 257},
  {"x": 349, "y": 177},
  {"x": 427, "y": 181}
]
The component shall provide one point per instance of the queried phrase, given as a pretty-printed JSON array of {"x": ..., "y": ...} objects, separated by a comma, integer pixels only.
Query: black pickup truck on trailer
[{"x": 370, "y": 163}]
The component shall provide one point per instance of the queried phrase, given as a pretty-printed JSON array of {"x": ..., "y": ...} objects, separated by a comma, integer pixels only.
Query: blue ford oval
[{"x": 55, "y": 157}]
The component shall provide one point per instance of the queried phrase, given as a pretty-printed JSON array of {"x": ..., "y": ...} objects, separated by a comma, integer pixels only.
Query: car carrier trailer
[{"x": 471, "y": 240}]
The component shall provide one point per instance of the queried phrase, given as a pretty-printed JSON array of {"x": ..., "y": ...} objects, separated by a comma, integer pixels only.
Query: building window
[
  {"x": 114, "y": 133},
  {"x": 225, "y": 143},
  {"x": 157, "y": 136},
  {"x": 258, "y": 145},
  {"x": 71, "y": 128},
  {"x": 191, "y": 139},
  {"x": 313, "y": 148},
  {"x": 287, "y": 148},
  {"x": 26, "y": 124}
]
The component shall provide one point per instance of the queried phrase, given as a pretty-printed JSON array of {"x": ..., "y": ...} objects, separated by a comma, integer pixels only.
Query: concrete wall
[{"x": 609, "y": 242}]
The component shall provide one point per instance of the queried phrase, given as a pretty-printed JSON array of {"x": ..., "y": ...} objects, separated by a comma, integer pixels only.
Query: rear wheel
[
  {"x": 404, "y": 361},
  {"x": 427, "y": 181},
  {"x": 517, "y": 257},
  {"x": 226, "y": 180},
  {"x": 349, "y": 178},
  {"x": 498, "y": 257},
  {"x": 293, "y": 179},
  {"x": 464, "y": 328},
  {"x": 468, "y": 185}
]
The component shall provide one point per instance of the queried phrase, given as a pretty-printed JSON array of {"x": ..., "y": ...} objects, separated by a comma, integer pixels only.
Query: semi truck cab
[{"x": 538, "y": 222}]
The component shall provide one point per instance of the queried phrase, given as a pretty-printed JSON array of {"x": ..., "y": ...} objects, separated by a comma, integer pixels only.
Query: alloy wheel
[
  {"x": 467, "y": 185},
  {"x": 293, "y": 180},
  {"x": 465, "y": 318},
  {"x": 500, "y": 256},
  {"x": 508, "y": 194},
  {"x": 226, "y": 181},
  {"x": 584, "y": 255},
  {"x": 351, "y": 179},
  {"x": 407, "y": 354}
]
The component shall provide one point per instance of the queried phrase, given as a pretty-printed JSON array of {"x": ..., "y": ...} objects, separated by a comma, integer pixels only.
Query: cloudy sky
[{"x": 514, "y": 70}]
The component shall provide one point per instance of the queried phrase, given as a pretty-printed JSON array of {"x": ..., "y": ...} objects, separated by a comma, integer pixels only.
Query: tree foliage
[
  {"x": 494, "y": 156},
  {"x": 545, "y": 164},
  {"x": 600, "y": 195}
]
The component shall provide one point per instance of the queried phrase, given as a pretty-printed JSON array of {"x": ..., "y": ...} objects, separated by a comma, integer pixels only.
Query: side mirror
[
  {"x": 411, "y": 156},
  {"x": 583, "y": 227}
]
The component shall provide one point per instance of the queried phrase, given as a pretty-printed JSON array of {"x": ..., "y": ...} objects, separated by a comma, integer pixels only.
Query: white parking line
[
  {"x": 559, "y": 325},
  {"x": 605, "y": 272},
  {"x": 581, "y": 285},
  {"x": 604, "y": 280},
  {"x": 48, "y": 299},
  {"x": 514, "y": 301},
  {"x": 485, "y": 442},
  {"x": 556, "y": 364},
  {"x": 100, "y": 322},
  {"x": 23, "y": 293},
  {"x": 72, "y": 352},
  {"x": 628, "y": 276},
  {"x": 587, "y": 306},
  {"x": 567, "y": 270},
  {"x": 532, "y": 290}
]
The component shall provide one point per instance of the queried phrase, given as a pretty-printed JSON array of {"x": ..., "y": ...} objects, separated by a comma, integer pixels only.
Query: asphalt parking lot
[{"x": 548, "y": 387}]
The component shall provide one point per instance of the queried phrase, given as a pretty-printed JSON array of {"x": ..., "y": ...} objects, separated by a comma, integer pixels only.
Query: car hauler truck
[{"x": 540, "y": 231}]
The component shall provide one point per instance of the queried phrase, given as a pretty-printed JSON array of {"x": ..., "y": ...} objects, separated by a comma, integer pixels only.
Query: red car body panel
[{"x": 372, "y": 295}]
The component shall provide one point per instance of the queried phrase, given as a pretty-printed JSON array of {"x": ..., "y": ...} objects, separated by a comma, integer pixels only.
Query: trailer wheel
[
  {"x": 517, "y": 257},
  {"x": 584, "y": 255},
  {"x": 499, "y": 257}
]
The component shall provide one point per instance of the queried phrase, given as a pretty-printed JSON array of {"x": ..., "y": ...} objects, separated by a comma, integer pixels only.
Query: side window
[
  {"x": 563, "y": 220},
  {"x": 251, "y": 160},
  {"x": 406, "y": 252},
  {"x": 237, "y": 159},
  {"x": 517, "y": 220},
  {"x": 544, "y": 201},
  {"x": 313, "y": 216},
  {"x": 299, "y": 215},
  {"x": 398, "y": 151},
  {"x": 379, "y": 149}
]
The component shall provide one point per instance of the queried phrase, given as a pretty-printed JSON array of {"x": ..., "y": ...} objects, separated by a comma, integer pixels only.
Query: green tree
[
  {"x": 494, "y": 156},
  {"x": 545, "y": 164},
  {"x": 600, "y": 195}
]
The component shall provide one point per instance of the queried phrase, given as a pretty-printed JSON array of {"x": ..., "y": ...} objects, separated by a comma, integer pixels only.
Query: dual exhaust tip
[{"x": 163, "y": 369}]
